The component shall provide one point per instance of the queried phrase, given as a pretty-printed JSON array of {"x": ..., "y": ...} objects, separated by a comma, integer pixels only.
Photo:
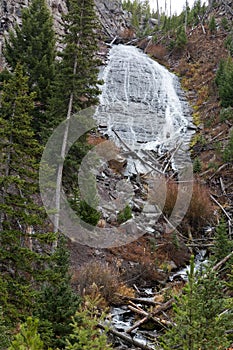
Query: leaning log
[{"x": 127, "y": 338}]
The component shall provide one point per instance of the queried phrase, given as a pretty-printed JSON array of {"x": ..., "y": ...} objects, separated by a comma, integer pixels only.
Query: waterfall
[{"x": 143, "y": 102}]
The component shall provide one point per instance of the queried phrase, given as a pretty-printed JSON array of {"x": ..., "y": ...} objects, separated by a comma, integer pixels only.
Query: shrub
[
  {"x": 226, "y": 114},
  {"x": 181, "y": 39},
  {"x": 212, "y": 25},
  {"x": 28, "y": 338},
  {"x": 86, "y": 332},
  {"x": 224, "y": 23},
  {"x": 124, "y": 214},
  {"x": 196, "y": 165},
  {"x": 228, "y": 151},
  {"x": 101, "y": 276},
  {"x": 200, "y": 210},
  {"x": 224, "y": 79}
]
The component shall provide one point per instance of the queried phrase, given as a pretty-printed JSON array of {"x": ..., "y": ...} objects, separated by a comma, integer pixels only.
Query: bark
[
  {"x": 127, "y": 338},
  {"x": 61, "y": 164}
]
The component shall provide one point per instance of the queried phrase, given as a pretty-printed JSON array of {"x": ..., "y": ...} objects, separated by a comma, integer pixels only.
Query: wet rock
[{"x": 118, "y": 164}]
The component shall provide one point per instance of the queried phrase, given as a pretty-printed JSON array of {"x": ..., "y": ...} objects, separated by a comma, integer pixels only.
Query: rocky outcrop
[
  {"x": 113, "y": 19},
  {"x": 11, "y": 14}
]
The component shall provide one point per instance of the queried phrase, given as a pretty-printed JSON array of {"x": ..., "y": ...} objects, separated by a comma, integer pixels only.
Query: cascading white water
[{"x": 142, "y": 101}]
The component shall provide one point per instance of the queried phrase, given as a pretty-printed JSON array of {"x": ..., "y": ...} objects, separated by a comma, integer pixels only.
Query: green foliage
[
  {"x": 224, "y": 79},
  {"x": 87, "y": 213},
  {"x": 224, "y": 23},
  {"x": 28, "y": 338},
  {"x": 212, "y": 25},
  {"x": 33, "y": 46},
  {"x": 200, "y": 320},
  {"x": 197, "y": 165},
  {"x": 17, "y": 210},
  {"x": 141, "y": 13},
  {"x": 228, "y": 151},
  {"x": 4, "y": 331},
  {"x": 80, "y": 47},
  {"x": 57, "y": 302},
  {"x": 228, "y": 43},
  {"x": 24, "y": 249},
  {"x": 181, "y": 38},
  {"x": 124, "y": 214},
  {"x": 226, "y": 114},
  {"x": 86, "y": 333},
  {"x": 222, "y": 245},
  {"x": 86, "y": 208}
]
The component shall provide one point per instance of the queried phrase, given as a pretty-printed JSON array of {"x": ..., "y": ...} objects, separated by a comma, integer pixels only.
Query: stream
[{"x": 143, "y": 106}]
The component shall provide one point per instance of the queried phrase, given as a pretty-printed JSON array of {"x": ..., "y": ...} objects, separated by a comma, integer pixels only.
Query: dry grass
[
  {"x": 157, "y": 51},
  {"x": 97, "y": 276},
  {"x": 200, "y": 211}
]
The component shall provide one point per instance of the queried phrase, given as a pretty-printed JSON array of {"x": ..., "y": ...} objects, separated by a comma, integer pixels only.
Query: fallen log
[
  {"x": 137, "y": 324},
  {"x": 138, "y": 300},
  {"x": 136, "y": 155},
  {"x": 127, "y": 338},
  {"x": 163, "y": 307},
  {"x": 222, "y": 262},
  {"x": 149, "y": 316},
  {"x": 221, "y": 207}
]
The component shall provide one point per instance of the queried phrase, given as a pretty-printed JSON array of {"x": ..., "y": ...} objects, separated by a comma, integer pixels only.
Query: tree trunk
[
  {"x": 61, "y": 164},
  {"x": 158, "y": 13}
]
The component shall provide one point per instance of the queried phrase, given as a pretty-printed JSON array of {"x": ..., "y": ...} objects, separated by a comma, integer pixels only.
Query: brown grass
[
  {"x": 157, "y": 51},
  {"x": 98, "y": 276},
  {"x": 200, "y": 211}
]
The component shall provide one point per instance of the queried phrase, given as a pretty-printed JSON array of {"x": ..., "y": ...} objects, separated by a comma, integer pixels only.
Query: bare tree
[{"x": 158, "y": 13}]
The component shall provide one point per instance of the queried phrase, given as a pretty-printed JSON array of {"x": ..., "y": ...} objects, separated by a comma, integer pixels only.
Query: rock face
[
  {"x": 11, "y": 14},
  {"x": 113, "y": 19}
]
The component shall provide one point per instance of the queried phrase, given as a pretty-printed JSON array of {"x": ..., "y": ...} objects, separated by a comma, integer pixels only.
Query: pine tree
[
  {"x": 181, "y": 39},
  {"x": 77, "y": 71},
  {"x": 228, "y": 151},
  {"x": 33, "y": 46},
  {"x": 200, "y": 320},
  {"x": 57, "y": 303},
  {"x": 4, "y": 332},
  {"x": 77, "y": 83},
  {"x": 21, "y": 217},
  {"x": 224, "y": 79},
  {"x": 212, "y": 25},
  {"x": 28, "y": 337},
  {"x": 222, "y": 244},
  {"x": 86, "y": 335}
]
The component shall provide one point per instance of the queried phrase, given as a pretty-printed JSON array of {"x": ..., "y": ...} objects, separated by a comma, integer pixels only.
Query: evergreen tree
[
  {"x": 57, "y": 303},
  {"x": 224, "y": 79},
  {"x": 228, "y": 151},
  {"x": 15, "y": 209},
  {"x": 28, "y": 337},
  {"x": 212, "y": 25},
  {"x": 181, "y": 38},
  {"x": 200, "y": 320},
  {"x": 77, "y": 83},
  {"x": 222, "y": 244},
  {"x": 77, "y": 71},
  {"x": 21, "y": 218},
  {"x": 4, "y": 332},
  {"x": 33, "y": 46},
  {"x": 86, "y": 335}
]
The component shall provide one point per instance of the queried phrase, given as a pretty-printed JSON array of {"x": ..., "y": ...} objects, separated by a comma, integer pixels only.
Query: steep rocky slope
[
  {"x": 196, "y": 65},
  {"x": 111, "y": 15}
]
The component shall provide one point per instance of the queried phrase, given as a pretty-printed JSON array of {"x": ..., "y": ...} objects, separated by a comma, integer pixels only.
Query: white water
[{"x": 142, "y": 101}]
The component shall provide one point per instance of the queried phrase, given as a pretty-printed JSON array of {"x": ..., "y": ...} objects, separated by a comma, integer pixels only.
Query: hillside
[{"x": 48, "y": 280}]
